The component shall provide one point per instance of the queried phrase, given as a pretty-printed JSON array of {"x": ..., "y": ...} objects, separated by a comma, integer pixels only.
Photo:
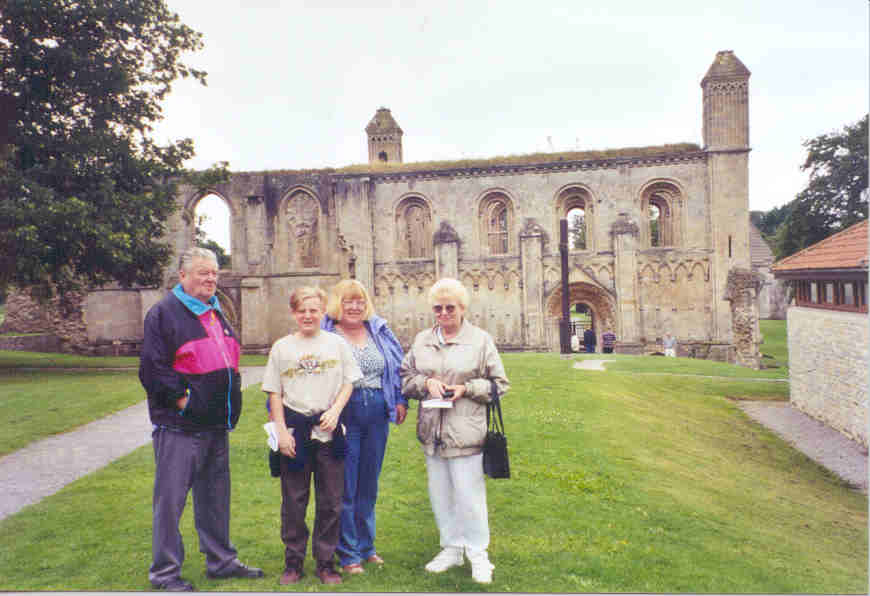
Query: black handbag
[{"x": 495, "y": 451}]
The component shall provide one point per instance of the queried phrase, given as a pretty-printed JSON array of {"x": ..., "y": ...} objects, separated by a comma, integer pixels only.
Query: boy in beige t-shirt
[{"x": 309, "y": 378}]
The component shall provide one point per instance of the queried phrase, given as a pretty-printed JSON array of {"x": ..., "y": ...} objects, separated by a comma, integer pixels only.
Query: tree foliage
[
  {"x": 202, "y": 240},
  {"x": 768, "y": 222},
  {"x": 577, "y": 229},
  {"x": 836, "y": 195},
  {"x": 84, "y": 191}
]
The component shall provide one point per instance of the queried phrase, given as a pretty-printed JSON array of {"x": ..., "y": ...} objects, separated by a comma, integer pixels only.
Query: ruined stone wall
[
  {"x": 496, "y": 282},
  {"x": 741, "y": 292},
  {"x": 61, "y": 316},
  {"x": 24, "y": 315},
  {"x": 828, "y": 364}
]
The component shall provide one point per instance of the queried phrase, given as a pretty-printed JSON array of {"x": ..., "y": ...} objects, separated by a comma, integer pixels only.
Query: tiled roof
[
  {"x": 844, "y": 250},
  {"x": 759, "y": 252}
]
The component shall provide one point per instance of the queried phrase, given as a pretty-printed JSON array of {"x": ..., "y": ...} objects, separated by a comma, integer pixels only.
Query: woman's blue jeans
[{"x": 366, "y": 420}]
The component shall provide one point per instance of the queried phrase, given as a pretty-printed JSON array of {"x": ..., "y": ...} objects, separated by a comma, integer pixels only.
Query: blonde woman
[
  {"x": 309, "y": 378},
  {"x": 455, "y": 362},
  {"x": 375, "y": 402}
]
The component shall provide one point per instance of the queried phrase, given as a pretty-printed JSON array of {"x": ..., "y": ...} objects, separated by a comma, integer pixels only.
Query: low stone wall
[
  {"x": 43, "y": 342},
  {"x": 828, "y": 359}
]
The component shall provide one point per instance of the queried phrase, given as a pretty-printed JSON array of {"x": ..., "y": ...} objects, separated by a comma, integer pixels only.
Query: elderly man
[{"x": 190, "y": 369}]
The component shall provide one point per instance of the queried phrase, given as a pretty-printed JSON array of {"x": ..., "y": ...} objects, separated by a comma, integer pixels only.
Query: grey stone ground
[
  {"x": 44, "y": 467},
  {"x": 821, "y": 443}
]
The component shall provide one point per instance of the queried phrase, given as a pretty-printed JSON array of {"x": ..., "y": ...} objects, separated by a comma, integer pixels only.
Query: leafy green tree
[
  {"x": 202, "y": 240},
  {"x": 768, "y": 222},
  {"x": 84, "y": 191},
  {"x": 836, "y": 195},
  {"x": 577, "y": 229}
]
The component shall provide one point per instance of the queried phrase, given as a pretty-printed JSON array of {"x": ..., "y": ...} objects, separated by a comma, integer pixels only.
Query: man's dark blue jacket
[{"x": 179, "y": 358}]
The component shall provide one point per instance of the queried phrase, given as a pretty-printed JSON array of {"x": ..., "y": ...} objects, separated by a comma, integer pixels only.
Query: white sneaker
[
  {"x": 481, "y": 568},
  {"x": 447, "y": 558}
]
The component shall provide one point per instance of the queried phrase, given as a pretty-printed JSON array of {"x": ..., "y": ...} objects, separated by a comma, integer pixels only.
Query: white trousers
[{"x": 457, "y": 492}]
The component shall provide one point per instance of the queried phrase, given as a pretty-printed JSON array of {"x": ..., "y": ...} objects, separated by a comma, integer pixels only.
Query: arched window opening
[
  {"x": 498, "y": 229},
  {"x": 576, "y": 228},
  {"x": 655, "y": 228},
  {"x": 495, "y": 222},
  {"x": 413, "y": 229},
  {"x": 658, "y": 203},
  {"x": 576, "y": 206},
  {"x": 212, "y": 227},
  {"x": 382, "y": 156},
  {"x": 303, "y": 221}
]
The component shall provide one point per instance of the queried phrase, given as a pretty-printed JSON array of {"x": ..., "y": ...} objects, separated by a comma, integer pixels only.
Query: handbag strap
[{"x": 495, "y": 404}]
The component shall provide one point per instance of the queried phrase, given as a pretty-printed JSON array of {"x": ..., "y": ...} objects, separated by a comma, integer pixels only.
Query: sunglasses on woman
[{"x": 450, "y": 308}]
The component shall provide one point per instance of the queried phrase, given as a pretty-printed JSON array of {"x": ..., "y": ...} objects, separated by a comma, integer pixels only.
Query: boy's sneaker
[
  {"x": 481, "y": 568},
  {"x": 447, "y": 558}
]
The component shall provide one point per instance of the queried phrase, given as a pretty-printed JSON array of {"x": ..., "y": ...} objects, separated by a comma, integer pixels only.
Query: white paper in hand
[
  {"x": 437, "y": 403},
  {"x": 269, "y": 427}
]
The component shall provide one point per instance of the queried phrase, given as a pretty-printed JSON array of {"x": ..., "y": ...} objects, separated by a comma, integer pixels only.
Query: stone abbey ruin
[{"x": 663, "y": 241}]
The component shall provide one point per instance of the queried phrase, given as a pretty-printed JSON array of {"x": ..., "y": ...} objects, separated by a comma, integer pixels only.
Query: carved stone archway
[{"x": 600, "y": 302}]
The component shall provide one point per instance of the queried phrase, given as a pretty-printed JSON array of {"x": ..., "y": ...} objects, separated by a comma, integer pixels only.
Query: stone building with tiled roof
[{"x": 828, "y": 335}]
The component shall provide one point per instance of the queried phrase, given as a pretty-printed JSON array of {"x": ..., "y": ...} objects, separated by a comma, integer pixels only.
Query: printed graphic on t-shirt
[{"x": 310, "y": 364}]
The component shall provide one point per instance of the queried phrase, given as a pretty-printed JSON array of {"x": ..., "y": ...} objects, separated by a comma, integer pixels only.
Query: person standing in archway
[
  {"x": 608, "y": 339},
  {"x": 589, "y": 340},
  {"x": 669, "y": 343}
]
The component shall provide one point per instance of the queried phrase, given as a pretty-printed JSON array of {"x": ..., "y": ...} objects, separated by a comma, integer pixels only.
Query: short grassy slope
[{"x": 622, "y": 482}]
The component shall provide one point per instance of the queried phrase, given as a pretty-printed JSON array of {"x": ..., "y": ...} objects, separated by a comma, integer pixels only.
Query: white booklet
[
  {"x": 269, "y": 427},
  {"x": 437, "y": 403}
]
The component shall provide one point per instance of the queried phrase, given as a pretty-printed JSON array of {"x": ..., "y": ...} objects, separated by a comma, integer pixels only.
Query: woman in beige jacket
[{"x": 451, "y": 368}]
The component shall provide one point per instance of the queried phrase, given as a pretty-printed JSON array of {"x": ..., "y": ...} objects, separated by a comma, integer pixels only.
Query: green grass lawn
[
  {"x": 622, "y": 482},
  {"x": 774, "y": 347},
  {"x": 45, "y": 394}
]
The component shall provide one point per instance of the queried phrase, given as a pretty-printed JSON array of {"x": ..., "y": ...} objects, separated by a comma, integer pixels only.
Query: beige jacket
[{"x": 470, "y": 358}]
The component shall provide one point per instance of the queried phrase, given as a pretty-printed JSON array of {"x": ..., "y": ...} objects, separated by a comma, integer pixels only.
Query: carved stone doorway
[{"x": 600, "y": 304}]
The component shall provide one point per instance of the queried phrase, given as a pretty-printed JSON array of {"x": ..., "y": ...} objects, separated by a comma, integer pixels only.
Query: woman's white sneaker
[
  {"x": 447, "y": 558},
  {"x": 481, "y": 568}
]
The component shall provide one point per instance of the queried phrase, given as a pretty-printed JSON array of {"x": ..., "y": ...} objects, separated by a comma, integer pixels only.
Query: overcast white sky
[{"x": 292, "y": 84}]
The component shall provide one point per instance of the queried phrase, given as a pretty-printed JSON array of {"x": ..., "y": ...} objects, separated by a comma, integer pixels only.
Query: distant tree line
[{"x": 834, "y": 199}]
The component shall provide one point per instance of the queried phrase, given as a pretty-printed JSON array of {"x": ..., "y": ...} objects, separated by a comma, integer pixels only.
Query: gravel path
[
  {"x": 44, "y": 467},
  {"x": 821, "y": 443}
]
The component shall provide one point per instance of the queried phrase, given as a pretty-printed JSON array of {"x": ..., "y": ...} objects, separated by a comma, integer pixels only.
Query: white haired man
[{"x": 189, "y": 367}]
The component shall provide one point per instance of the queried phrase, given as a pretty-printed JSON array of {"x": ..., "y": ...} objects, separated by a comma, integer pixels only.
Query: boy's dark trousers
[{"x": 328, "y": 472}]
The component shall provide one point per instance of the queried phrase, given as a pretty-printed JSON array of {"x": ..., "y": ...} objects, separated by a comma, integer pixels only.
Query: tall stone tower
[
  {"x": 385, "y": 138},
  {"x": 726, "y": 139}
]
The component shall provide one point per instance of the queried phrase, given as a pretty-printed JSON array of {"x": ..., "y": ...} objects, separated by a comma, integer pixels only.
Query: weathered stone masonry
[
  {"x": 399, "y": 227},
  {"x": 828, "y": 372}
]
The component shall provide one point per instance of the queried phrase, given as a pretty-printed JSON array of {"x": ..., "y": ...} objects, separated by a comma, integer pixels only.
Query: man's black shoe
[
  {"x": 175, "y": 584},
  {"x": 240, "y": 570}
]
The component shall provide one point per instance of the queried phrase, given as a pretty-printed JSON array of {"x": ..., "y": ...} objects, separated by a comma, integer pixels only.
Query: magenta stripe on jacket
[{"x": 199, "y": 356}]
